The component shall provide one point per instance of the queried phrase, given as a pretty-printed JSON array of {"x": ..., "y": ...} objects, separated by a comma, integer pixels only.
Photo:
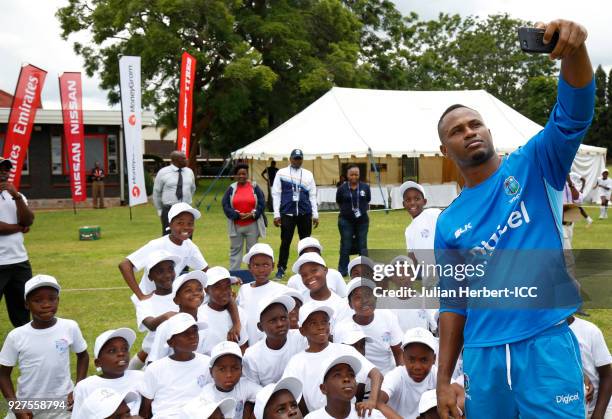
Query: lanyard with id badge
[
  {"x": 355, "y": 206},
  {"x": 296, "y": 190}
]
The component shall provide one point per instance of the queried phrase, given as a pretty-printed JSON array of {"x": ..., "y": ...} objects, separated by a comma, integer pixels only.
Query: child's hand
[
  {"x": 234, "y": 334},
  {"x": 23, "y": 414},
  {"x": 589, "y": 389},
  {"x": 364, "y": 408},
  {"x": 70, "y": 400}
]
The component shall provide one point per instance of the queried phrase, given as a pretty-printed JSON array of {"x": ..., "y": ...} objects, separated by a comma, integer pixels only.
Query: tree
[{"x": 597, "y": 132}]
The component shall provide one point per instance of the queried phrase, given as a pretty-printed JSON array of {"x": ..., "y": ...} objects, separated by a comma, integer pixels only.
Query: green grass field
[{"x": 54, "y": 249}]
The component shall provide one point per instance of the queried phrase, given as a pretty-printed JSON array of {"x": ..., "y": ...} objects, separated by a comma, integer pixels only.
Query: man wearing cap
[
  {"x": 519, "y": 356},
  {"x": 15, "y": 270},
  {"x": 174, "y": 183},
  {"x": 294, "y": 195}
]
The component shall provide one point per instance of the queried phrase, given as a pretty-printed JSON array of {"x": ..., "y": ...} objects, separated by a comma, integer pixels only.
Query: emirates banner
[
  {"x": 188, "y": 66},
  {"x": 129, "y": 75},
  {"x": 71, "y": 93},
  {"x": 23, "y": 111}
]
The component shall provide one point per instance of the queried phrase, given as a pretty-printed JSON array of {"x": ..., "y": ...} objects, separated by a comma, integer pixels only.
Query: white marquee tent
[{"x": 390, "y": 126}]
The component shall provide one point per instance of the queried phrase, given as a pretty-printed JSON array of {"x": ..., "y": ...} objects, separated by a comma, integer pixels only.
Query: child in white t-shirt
[
  {"x": 260, "y": 260},
  {"x": 111, "y": 356},
  {"x": 361, "y": 266},
  {"x": 188, "y": 295},
  {"x": 153, "y": 311},
  {"x": 182, "y": 224},
  {"x": 201, "y": 407},
  {"x": 339, "y": 386},
  {"x": 380, "y": 325},
  {"x": 171, "y": 382},
  {"x": 294, "y": 314},
  {"x": 226, "y": 371},
  {"x": 279, "y": 400},
  {"x": 265, "y": 361},
  {"x": 42, "y": 348},
  {"x": 216, "y": 311},
  {"x": 404, "y": 385},
  {"x": 596, "y": 364},
  {"x": 312, "y": 269},
  {"x": 306, "y": 366},
  {"x": 334, "y": 279}
]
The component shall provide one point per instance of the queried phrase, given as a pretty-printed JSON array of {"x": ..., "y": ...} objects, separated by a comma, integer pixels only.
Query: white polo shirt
[{"x": 12, "y": 249}]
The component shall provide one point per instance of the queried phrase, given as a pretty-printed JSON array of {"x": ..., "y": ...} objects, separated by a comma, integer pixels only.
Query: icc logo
[
  {"x": 135, "y": 191},
  {"x": 132, "y": 120},
  {"x": 511, "y": 186}
]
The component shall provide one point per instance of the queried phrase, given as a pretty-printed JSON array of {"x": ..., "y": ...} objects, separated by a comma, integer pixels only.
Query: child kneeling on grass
[
  {"x": 111, "y": 357},
  {"x": 42, "y": 348},
  {"x": 171, "y": 382},
  {"x": 226, "y": 371}
]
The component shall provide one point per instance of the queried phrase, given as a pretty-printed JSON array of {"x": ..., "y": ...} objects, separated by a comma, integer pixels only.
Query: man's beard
[{"x": 481, "y": 157}]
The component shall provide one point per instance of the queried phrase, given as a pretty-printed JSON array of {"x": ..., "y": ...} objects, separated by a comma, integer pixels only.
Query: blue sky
[{"x": 37, "y": 41}]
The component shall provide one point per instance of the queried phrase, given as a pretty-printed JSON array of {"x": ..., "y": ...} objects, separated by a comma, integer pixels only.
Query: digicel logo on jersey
[{"x": 515, "y": 220}]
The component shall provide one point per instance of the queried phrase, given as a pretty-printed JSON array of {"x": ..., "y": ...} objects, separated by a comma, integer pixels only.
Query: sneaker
[
  {"x": 280, "y": 273},
  {"x": 589, "y": 221}
]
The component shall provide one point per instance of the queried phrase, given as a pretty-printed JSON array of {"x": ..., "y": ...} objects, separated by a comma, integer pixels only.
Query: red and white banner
[
  {"x": 71, "y": 93},
  {"x": 188, "y": 67},
  {"x": 23, "y": 111},
  {"x": 129, "y": 78}
]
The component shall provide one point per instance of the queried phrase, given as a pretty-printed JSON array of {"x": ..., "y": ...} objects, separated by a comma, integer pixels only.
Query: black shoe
[{"x": 280, "y": 273}]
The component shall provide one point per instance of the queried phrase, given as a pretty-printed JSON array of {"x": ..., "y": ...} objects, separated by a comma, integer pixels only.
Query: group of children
[{"x": 316, "y": 348}]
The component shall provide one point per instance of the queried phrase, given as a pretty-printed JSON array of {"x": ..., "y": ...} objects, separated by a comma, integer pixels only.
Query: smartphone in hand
[{"x": 532, "y": 40}]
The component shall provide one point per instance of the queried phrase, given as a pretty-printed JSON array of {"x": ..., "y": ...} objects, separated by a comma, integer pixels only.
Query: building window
[
  {"x": 26, "y": 162},
  {"x": 410, "y": 169},
  {"x": 56, "y": 155},
  {"x": 113, "y": 145}
]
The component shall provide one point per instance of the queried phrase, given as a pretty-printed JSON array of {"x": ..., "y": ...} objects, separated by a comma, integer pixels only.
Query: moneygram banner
[
  {"x": 129, "y": 74},
  {"x": 188, "y": 66},
  {"x": 71, "y": 93},
  {"x": 23, "y": 111}
]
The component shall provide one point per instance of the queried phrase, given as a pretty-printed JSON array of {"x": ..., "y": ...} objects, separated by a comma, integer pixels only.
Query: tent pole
[
  {"x": 225, "y": 166},
  {"x": 371, "y": 157}
]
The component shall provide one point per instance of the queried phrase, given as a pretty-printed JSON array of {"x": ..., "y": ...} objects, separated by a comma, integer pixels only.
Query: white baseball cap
[
  {"x": 179, "y": 323},
  {"x": 283, "y": 299},
  {"x": 411, "y": 185},
  {"x": 358, "y": 282},
  {"x": 103, "y": 402},
  {"x": 258, "y": 249},
  {"x": 39, "y": 281},
  {"x": 291, "y": 384},
  {"x": 224, "y": 348},
  {"x": 306, "y": 258},
  {"x": 203, "y": 407},
  {"x": 428, "y": 401},
  {"x": 176, "y": 209},
  {"x": 159, "y": 256},
  {"x": 218, "y": 273},
  {"x": 351, "y": 334},
  {"x": 307, "y": 242},
  {"x": 295, "y": 294},
  {"x": 123, "y": 332},
  {"x": 312, "y": 307},
  {"x": 351, "y": 360},
  {"x": 419, "y": 335},
  {"x": 178, "y": 282},
  {"x": 360, "y": 260}
]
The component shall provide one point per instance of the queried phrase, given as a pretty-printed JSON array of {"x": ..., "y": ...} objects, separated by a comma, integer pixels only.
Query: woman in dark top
[
  {"x": 243, "y": 204},
  {"x": 353, "y": 198}
]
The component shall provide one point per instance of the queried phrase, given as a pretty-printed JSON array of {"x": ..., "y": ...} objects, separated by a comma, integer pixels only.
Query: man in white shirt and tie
[{"x": 173, "y": 184}]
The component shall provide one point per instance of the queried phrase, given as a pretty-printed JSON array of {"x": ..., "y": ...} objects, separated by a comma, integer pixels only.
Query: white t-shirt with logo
[
  {"x": 12, "y": 249},
  {"x": 249, "y": 298},
  {"x": 131, "y": 381},
  {"x": 334, "y": 279},
  {"x": 264, "y": 366},
  {"x": 408, "y": 318},
  {"x": 243, "y": 392},
  {"x": 322, "y": 414},
  {"x": 43, "y": 357},
  {"x": 385, "y": 332},
  {"x": 594, "y": 353},
  {"x": 171, "y": 384},
  {"x": 405, "y": 393},
  {"x": 154, "y": 306},
  {"x": 188, "y": 252},
  {"x": 420, "y": 237},
  {"x": 160, "y": 348},
  {"x": 219, "y": 323},
  {"x": 308, "y": 368},
  {"x": 607, "y": 183},
  {"x": 342, "y": 310}
]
